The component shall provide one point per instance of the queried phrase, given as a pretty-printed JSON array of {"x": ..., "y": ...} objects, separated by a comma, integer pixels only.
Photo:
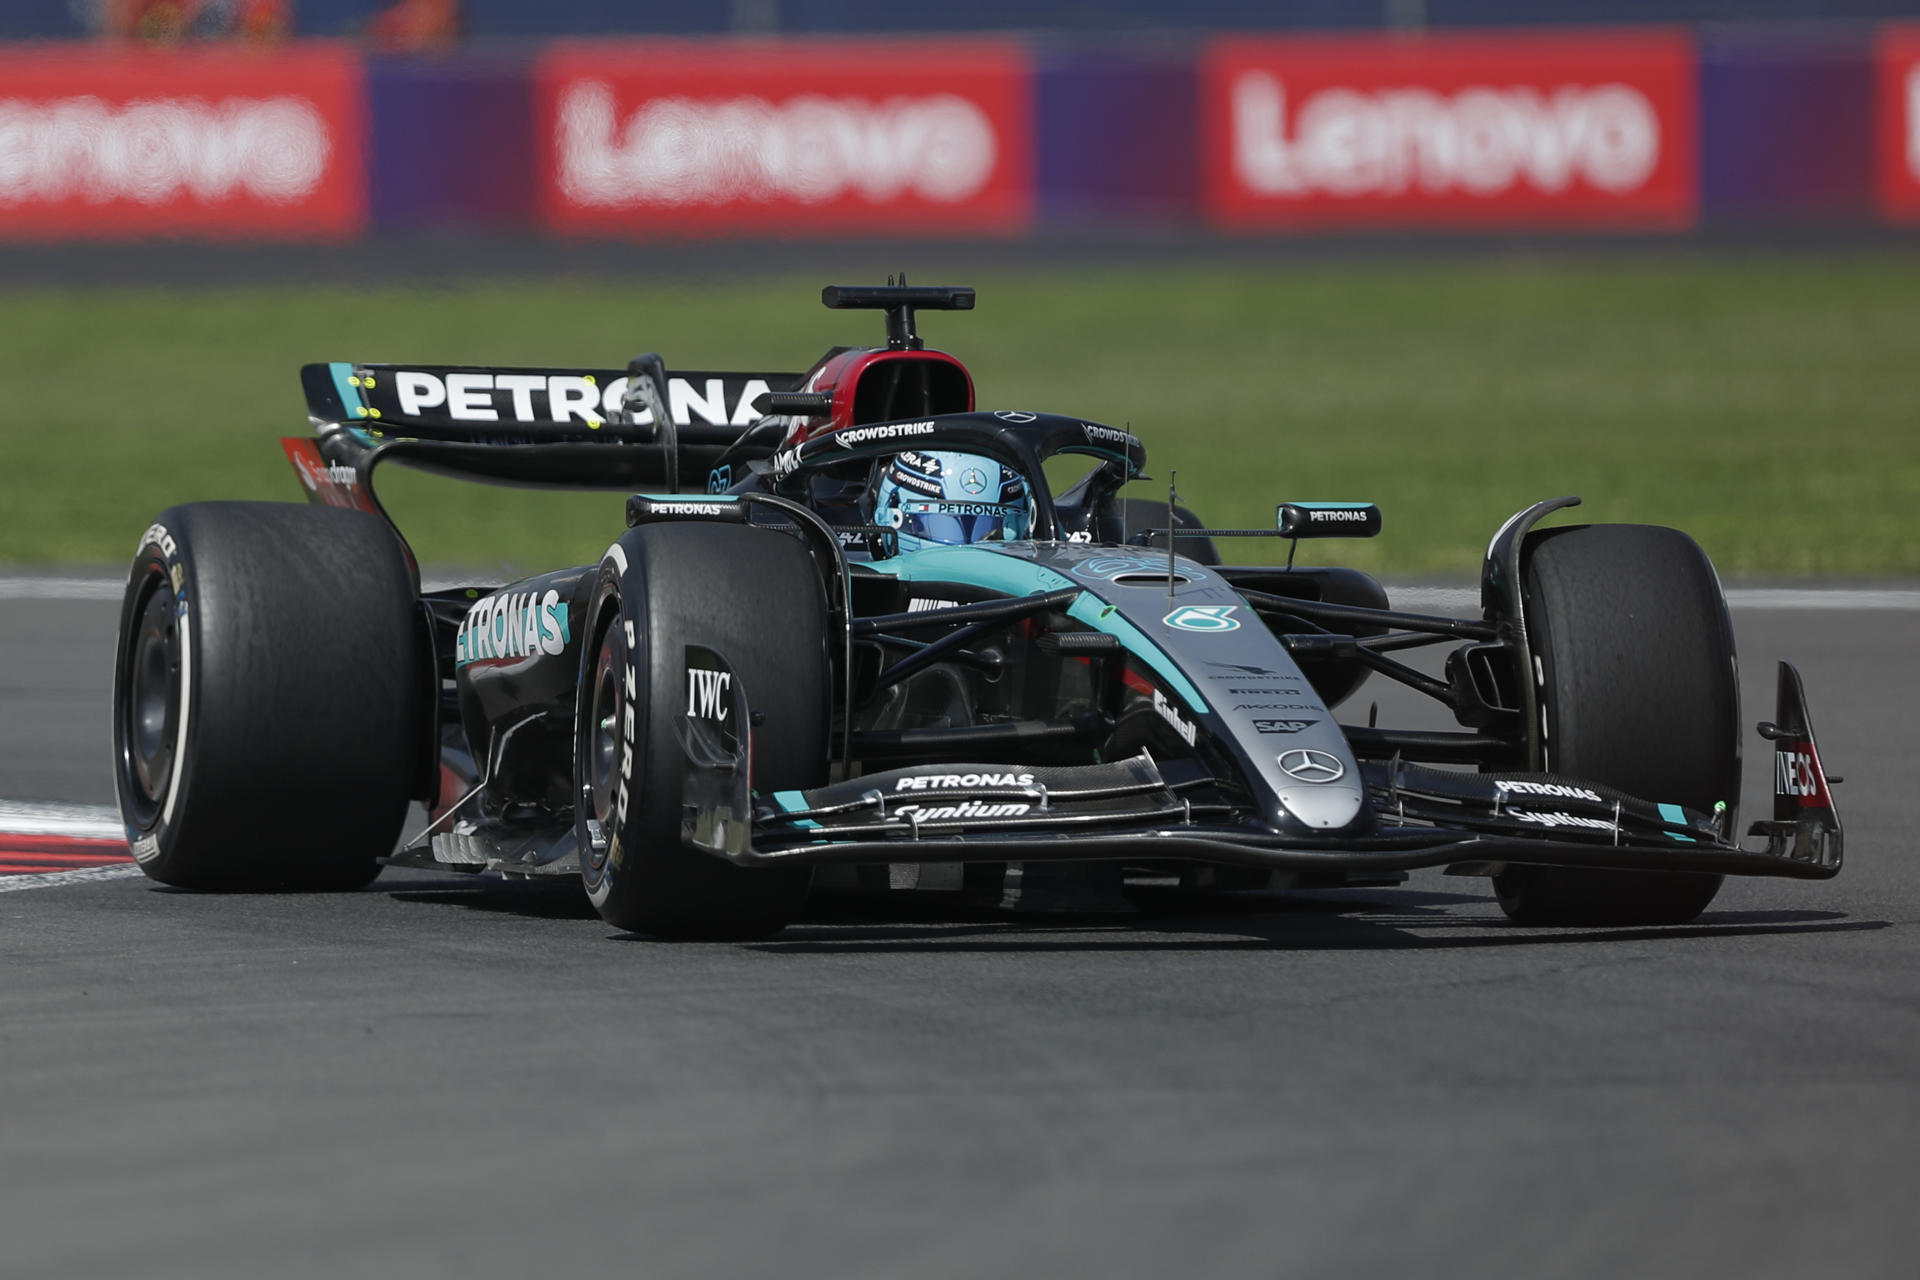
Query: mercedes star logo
[{"x": 1312, "y": 766}]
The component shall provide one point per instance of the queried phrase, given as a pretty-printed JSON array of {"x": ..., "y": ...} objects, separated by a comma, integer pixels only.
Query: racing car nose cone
[{"x": 1324, "y": 807}]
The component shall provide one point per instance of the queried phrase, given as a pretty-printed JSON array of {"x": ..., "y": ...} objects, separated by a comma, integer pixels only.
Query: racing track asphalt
[{"x": 438, "y": 1077}]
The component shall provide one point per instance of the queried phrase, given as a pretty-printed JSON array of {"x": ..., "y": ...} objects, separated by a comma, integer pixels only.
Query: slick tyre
[
  {"x": 271, "y": 697},
  {"x": 752, "y": 596},
  {"x": 1638, "y": 691}
]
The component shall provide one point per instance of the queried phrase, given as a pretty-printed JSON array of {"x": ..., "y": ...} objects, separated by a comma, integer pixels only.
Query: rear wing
[
  {"x": 547, "y": 428},
  {"x": 478, "y": 405}
]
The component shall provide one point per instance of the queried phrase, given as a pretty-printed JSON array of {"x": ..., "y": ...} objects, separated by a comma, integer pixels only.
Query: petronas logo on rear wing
[{"x": 465, "y": 400}]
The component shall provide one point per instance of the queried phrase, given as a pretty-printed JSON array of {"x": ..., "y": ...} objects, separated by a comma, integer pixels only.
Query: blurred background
[{"x": 1448, "y": 255}]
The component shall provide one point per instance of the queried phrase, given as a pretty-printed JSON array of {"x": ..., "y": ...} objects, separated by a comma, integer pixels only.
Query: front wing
[
  {"x": 1128, "y": 810},
  {"x": 1135, "y": 816}
]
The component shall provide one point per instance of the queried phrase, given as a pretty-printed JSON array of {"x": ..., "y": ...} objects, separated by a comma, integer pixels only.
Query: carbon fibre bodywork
[{"x": 1090, "y": 693}]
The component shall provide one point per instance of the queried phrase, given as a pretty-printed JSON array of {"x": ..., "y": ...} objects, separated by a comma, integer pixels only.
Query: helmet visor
[{"x": 963, "y": 523}]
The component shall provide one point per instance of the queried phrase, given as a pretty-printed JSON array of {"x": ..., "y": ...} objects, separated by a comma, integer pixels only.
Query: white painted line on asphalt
[
  {"x": 1823, "y": 598},
  {"x": 61, "y": 588},
  {"x": 1433, "y": 599},
  {"x": 1811, "y": 599},
  {"x": 34, "y": 588},
  {"x": 1417, "y": 599},
  {"x": 80, "y": 821},
  {"x": 80, "y": 875}
]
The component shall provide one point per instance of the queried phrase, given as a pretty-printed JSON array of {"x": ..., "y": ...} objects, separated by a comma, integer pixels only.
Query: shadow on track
[
  {"x": 853, "y": 923},
  {"x": 528, "y": 899},
  {"x": 1405, "y": 921}
]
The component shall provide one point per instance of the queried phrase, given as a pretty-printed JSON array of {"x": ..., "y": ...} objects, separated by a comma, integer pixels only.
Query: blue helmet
[{"x": 952, "y": 499}]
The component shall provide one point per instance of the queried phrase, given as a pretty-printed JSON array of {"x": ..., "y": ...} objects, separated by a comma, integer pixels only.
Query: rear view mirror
[{"x": 1328, "y": 519}]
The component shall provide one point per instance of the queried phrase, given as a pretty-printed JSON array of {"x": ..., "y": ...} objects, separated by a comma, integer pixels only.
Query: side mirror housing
[{"x": 1328, "y": 519}]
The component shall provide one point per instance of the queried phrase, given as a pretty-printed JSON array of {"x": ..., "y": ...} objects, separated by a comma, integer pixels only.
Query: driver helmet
[{"x": 952, "y": 499}]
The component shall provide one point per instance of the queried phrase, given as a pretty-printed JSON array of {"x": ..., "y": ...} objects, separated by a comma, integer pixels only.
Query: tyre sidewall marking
[
  {"x": 185, "y": 624},
  {"x": 595, "y": 869},
  {"x": 598, "y": 876},
  {"x": 159, "y": 557},
  {"x": 629, "y": 746}
]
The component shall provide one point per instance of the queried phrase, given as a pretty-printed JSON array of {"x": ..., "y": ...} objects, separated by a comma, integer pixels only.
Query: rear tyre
[
  {"x": 752, "y": 596},
  {"x": 270, "y": 697},
  {"x": 1638, "y": 691}
]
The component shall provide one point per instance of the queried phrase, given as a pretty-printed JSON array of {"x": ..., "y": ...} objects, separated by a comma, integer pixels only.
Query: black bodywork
[{"x": 1046, "y": 687}]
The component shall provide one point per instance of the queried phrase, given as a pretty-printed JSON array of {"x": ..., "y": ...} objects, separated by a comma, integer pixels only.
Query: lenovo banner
[
  {"x": 697, "y": 139},
  {"x": 1897, "y": 53},
  {"x": 1588, "y": 129},
  {"x": 126, "y": 144}
]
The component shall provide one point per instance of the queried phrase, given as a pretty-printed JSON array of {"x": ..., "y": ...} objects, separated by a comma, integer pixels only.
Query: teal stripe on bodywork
[
  {"x": 990, "y": 569},
  {"x": 1017, "y": 577},
  {"x": 793, "y": 802},
  {"x": 350, "y": 397},
  {"x": 691, "y": 497},
  {"x": 1675, "y": 814}
]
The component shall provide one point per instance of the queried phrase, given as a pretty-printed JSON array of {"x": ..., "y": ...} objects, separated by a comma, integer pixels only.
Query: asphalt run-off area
[{"x": 441, "y": 1076}]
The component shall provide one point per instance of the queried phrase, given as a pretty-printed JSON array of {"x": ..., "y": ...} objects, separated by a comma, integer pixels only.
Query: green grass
[{"x": 1767, "y": 404}]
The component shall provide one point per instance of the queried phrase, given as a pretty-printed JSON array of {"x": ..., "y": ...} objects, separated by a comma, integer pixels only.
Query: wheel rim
[
  {"x": 150, "y": 717},
  {"x": 601, "y": 732}
]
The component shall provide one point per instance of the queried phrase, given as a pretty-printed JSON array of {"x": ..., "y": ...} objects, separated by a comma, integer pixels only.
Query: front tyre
[
  {"x": 1638, "y": 691},
  {"x": 271, "y": 695},
  {"x": 753, "y": 597}
]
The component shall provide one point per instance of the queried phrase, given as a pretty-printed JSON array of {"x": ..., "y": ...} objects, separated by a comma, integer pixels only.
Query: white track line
[
  {"x": 36, "y": 588},
  {"x": 1812, "y": 599},
  {"x": 1889, "y": 598},
  {"x": 61, "y": 588},
  {"x": 75, "y": 821},
  {"x": 81, "y": 822},
  {"x": 79, "y": 875},
  {"x": 1434, "y": 599}
]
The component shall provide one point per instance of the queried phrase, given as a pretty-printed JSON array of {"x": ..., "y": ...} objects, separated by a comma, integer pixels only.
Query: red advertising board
[
  {"x": 1897, "y": 61},
  {"x": 686, "y": 138},
  {"x": 1583, "y": 129},
  {"x": 126, "y": 144}
]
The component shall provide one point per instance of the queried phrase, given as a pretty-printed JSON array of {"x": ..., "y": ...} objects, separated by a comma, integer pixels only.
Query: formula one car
[{"x": 882, "y": 645}]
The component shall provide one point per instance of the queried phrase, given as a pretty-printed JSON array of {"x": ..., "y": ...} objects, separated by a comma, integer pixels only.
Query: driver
[{"x": 952, "y": 499}]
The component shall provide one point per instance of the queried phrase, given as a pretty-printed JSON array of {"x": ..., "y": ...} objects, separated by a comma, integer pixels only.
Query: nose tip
[{"x": 1324, "y": 807}]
